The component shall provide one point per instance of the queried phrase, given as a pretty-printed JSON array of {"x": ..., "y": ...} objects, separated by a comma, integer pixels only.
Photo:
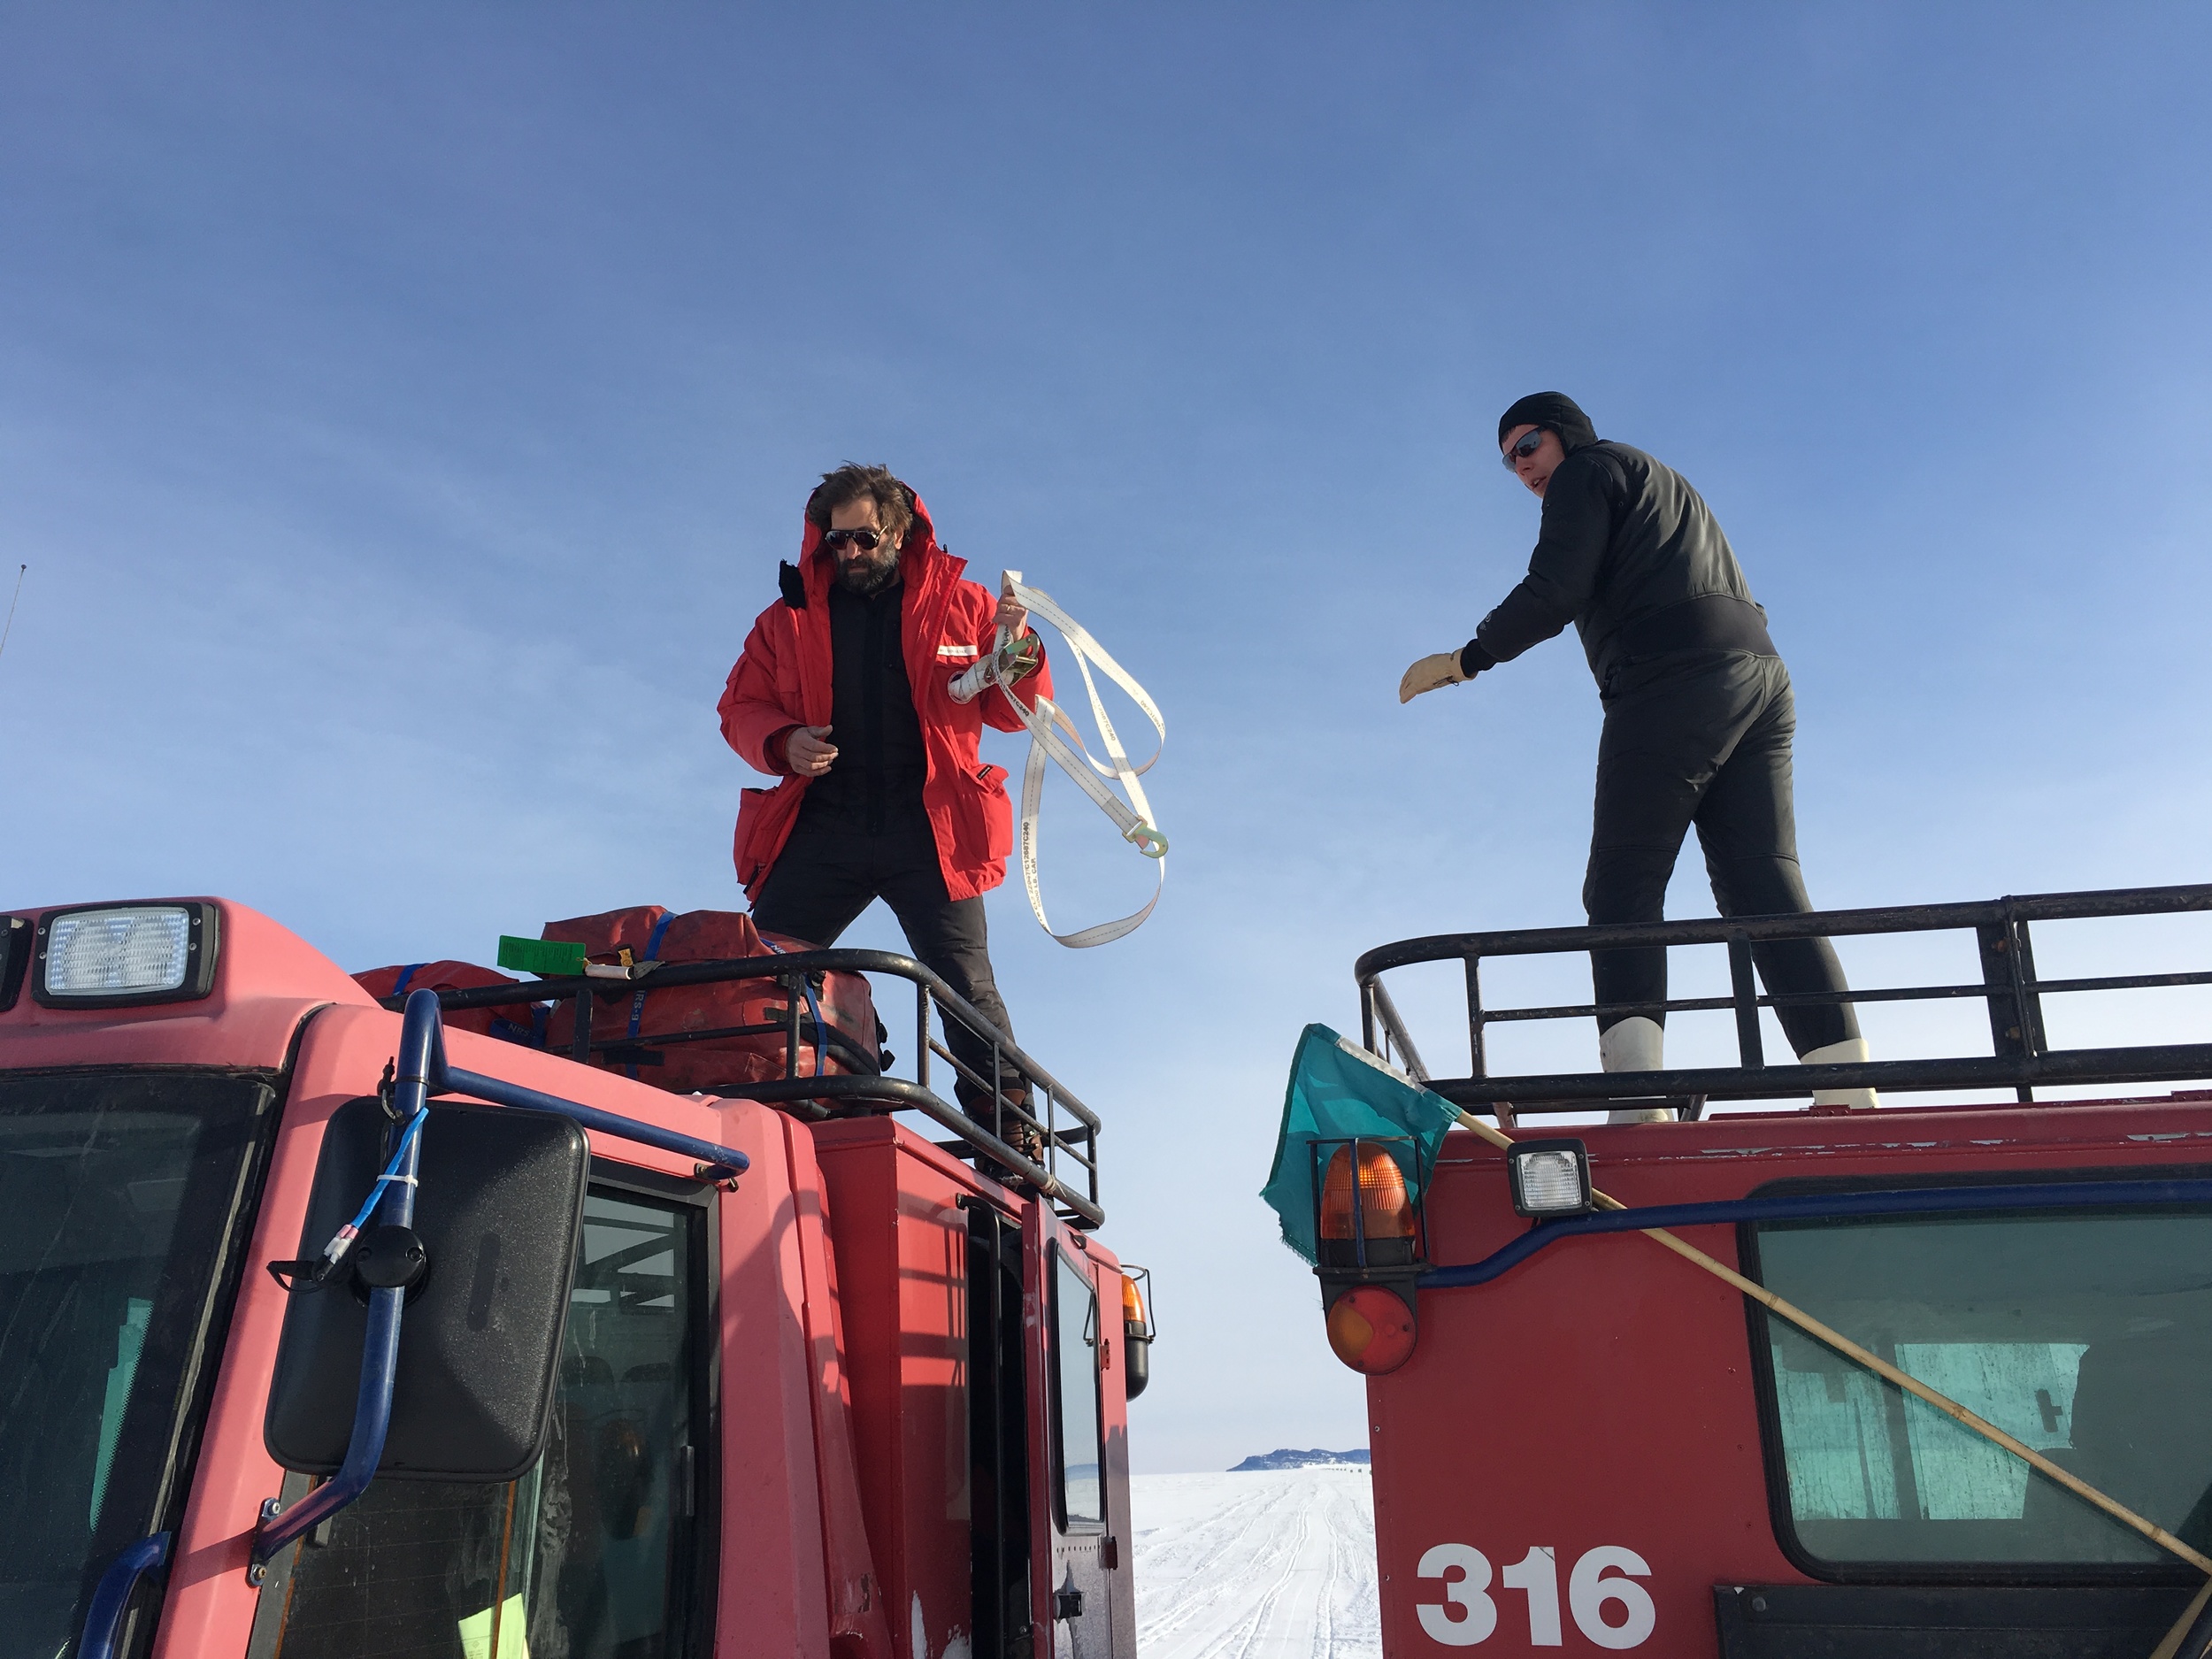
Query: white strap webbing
[{"x": 1133, "y": 817}]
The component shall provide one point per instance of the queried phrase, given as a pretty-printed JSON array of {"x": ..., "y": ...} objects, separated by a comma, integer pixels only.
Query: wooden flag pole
[
  {"x": 1882, "y": 1368},
  {"x": 2171, "y": 1647}
]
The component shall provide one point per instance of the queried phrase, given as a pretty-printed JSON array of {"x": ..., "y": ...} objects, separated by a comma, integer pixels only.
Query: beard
[{"x": 868, "y": 573}]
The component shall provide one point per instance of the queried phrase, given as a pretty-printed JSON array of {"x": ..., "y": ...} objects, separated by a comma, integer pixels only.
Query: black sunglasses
[
  {"x": 866, "y": 540},
  {"x": 1530, "y": 442}
]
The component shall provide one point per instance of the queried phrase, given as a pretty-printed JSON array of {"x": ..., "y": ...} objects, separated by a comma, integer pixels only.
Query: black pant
[
  {"x": 832, "y": 869},
  {"x": 1703, "y": 738}
]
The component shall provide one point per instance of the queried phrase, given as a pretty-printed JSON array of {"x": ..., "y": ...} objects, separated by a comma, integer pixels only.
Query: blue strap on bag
[{"x": 637, "y": 1002}]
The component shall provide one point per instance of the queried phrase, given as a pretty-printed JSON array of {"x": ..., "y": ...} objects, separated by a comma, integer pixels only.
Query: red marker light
[{"x": 1371, "y": 1329}]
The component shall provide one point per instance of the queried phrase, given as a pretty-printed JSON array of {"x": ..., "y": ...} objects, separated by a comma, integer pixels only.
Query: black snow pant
[
  {"x": 833, "y": 868},
  {"x": 1703, "y": 737}
]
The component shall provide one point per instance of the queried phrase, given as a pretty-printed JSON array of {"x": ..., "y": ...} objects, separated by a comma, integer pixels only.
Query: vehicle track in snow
[{"x": 1277, "y": 1564}]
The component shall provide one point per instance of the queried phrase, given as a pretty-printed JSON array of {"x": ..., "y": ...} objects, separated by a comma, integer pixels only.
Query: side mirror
[{"x": 499, "y": 1207}]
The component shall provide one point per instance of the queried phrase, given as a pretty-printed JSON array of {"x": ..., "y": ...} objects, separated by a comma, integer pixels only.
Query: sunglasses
[
  {"x": 866, "y": 540},
  {"x": 1530, "y": 442}
]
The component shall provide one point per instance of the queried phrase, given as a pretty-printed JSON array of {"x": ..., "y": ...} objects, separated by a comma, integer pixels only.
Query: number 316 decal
[{"x": 1467, "y": 1615}]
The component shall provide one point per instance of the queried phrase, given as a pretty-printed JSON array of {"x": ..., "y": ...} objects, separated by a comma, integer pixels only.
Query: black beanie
[{"x": 1554, "y": 411}]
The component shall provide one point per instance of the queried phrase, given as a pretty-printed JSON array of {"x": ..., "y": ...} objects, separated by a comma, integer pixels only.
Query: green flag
[{"x": 1339, "y": 1090}]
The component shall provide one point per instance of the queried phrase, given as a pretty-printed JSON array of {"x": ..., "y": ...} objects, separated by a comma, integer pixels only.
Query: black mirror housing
[{"x": 498, "y": 1212}]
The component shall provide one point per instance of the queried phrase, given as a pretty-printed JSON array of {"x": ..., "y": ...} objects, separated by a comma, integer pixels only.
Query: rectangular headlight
[
  {"x": 1550, "y": 1177},
  {"x": 112, "y": 954}
]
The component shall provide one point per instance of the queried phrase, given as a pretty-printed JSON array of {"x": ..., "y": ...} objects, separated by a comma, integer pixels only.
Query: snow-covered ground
[{"x": 1275, "y": 1565}]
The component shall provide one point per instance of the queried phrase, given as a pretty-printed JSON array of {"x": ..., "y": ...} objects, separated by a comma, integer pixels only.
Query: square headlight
[
  {"x": 111, "y": 956},
  {"x": 1550, "y": 1177}
]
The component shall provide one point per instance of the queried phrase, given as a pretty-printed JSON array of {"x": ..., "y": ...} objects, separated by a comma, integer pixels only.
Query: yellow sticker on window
[{"x": 506, "y": 1624}]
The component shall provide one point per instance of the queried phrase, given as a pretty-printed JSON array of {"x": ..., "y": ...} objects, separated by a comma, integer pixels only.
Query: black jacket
[
  {"x": 1632, "y": 555},
  {"x": 881, "y": 762}
]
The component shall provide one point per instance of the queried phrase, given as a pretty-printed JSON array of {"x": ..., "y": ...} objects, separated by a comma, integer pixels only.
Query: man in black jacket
[{"x": 1698, "y": 719}]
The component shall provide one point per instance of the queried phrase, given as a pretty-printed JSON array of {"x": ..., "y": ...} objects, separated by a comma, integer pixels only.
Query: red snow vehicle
[
  {"x": 1589, "y": 1442},
  {"x": 330, "y": 1329}
]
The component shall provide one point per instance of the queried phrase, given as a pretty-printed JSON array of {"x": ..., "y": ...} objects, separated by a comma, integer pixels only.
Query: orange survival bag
[
  {"x": 697, "y": 1038},
  {"x": 520, "y": 1022}
]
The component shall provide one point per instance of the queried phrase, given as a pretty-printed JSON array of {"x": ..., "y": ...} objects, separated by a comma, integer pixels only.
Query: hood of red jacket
[{"x": 921, "y": 558}]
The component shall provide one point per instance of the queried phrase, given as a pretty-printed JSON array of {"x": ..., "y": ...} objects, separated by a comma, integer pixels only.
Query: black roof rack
[
  {"x": 861, "y": 1092},
  {"x": 2020, "y": 1058}
]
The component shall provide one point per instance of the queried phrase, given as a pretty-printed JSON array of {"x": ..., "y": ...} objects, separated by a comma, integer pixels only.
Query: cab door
[
  {"x": 607, "y": 1546},
  {"x": 1074, "y": 1532}
]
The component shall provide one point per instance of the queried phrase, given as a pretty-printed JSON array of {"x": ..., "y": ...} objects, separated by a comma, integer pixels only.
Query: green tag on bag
[{"x": 548, "y": 958}]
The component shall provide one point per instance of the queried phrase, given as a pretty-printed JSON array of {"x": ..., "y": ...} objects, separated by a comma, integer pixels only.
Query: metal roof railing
[
  {"x": 2020, "y": 1058},
  {"x": 1068, "y": 1175}
]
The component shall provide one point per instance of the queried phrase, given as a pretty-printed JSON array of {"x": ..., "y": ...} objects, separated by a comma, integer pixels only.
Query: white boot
[
  {"x": 1849, "y": 1050},
  {"x": 1636, "y": 1044}
]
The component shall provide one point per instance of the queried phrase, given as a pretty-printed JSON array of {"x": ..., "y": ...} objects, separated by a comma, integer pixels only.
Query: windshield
[
  {"x": 117, "y": 1194},
  {"x": 2087, "y": 1335}
]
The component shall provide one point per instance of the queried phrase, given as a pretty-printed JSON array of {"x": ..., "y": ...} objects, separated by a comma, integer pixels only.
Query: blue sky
[{"x": 402, "y": 413}]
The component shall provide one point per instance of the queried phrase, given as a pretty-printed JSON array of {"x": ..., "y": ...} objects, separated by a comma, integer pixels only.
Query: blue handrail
[
  {"x": 716, "y": 1163},
  {"x": 418, "y": 1042},
  {"x": 420, "y": 1071},
  {"x": 149, "y": 1556},
  {"x": 1822, "y": 1206}
]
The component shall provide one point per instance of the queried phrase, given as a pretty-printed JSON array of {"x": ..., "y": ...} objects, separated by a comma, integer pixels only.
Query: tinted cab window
[
  {"x": 121, "y": 1209},
  {"x": 2088, "y": 1336},
  {"x": 1077, "y": 1457}
]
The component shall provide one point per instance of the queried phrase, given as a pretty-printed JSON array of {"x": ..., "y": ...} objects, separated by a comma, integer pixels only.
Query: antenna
[{"x": 10, "y": 628}]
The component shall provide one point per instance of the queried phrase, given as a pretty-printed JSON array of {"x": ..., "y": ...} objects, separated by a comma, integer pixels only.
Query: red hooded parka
[{"x": 783, "y": 679}]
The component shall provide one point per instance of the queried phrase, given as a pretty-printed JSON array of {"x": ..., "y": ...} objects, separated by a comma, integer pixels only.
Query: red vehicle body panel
[
  {"x": 1601, "y": 1392},
  {"x": 904, "y": 1238}
]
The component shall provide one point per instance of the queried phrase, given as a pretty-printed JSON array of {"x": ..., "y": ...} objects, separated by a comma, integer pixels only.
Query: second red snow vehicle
[
  {"x": 1586, "y": 1442},
  {"x": 599, "y": 1370}
]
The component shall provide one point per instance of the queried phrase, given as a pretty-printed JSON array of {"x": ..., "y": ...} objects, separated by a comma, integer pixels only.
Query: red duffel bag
[
  {"x": 838, "y": 1031},
  {"x": 518, "y": 1023}
]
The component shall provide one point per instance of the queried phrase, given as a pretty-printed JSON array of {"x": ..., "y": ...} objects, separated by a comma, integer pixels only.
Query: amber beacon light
[
  {"x": 1383, "y": 1208},
  {"x": 1368, "y": 1238}
]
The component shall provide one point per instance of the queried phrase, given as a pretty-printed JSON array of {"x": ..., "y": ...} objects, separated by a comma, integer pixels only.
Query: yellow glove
[{"x": 1429, "y": 673}]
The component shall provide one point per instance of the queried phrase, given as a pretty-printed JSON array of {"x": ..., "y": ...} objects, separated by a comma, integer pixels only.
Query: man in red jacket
[{"x": 843, "y": 692}]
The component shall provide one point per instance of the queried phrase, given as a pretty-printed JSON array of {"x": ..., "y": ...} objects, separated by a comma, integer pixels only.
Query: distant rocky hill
[{"x": 1284, "y": 1457}]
